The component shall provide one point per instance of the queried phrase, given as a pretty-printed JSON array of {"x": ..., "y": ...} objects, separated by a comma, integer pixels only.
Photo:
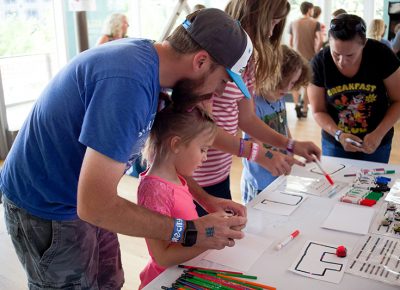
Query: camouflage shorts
[{"x": 64, "y": 254}]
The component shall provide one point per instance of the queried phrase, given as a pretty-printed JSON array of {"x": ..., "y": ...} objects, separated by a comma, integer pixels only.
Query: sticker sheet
[{"x": 376, "y": 257}]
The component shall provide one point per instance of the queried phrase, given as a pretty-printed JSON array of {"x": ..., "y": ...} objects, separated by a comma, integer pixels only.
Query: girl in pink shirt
[{"x": 177, "y": 145}]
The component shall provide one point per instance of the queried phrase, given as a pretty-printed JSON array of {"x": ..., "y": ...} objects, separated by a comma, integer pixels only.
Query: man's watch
[
  {"x": 337, "y": 135},
  {"x": 190, "y": 234}
]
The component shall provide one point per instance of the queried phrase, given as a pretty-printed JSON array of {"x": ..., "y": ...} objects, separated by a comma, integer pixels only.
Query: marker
[
  {"x": 350, "y": 175},
  {"x": 353, "y": 142},
  {"x": 324, "y": 172},
  {"x": 358, "y": 200},
  {"x": 287, "y": 240}
]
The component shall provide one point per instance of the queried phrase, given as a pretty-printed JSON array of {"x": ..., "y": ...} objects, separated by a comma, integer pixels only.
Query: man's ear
[
  {"x": 174, "y": 143},
  {"x": 201, "y": 61}
]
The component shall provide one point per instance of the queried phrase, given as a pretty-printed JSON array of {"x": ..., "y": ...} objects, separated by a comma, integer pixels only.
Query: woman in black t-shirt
[{"x": 355, "y": 92}]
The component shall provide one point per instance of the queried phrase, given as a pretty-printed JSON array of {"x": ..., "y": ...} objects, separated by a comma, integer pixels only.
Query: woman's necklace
[{"x": 280, "y": 117}]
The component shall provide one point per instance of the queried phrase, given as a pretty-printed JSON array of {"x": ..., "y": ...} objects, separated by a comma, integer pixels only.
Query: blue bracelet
[{"x": 179, "y": 229}]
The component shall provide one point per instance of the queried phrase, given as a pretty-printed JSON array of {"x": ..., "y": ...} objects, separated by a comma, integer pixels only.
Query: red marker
[
  {"x": 288, "y": 239},
  {"x": 358, "y": 200},
  {"x": 324, "y": 172}
]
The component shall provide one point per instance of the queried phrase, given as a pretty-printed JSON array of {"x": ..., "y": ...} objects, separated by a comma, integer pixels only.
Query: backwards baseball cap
[{"x": 224, "y": 39}]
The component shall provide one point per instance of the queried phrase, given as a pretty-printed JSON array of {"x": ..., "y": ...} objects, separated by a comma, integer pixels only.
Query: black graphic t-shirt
[{"x": 357, "y": 104}]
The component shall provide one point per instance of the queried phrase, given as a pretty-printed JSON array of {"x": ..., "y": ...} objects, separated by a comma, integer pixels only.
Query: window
[{"x": 28, "y": 55}]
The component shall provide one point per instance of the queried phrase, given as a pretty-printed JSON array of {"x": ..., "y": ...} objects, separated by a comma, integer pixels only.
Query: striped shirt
[{"x": 226, "y": 115}]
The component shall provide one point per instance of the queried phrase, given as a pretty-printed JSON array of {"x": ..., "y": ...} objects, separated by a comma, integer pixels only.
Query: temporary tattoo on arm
[
  {"x": 209, "y": 232},
  {"x": 269, "y": 154}
]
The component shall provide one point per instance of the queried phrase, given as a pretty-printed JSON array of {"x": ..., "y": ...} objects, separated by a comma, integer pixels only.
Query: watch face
[{"x": 190, "y": 235}]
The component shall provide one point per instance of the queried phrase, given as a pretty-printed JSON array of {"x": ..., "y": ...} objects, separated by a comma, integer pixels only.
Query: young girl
[
  {"x": 177, "y": 145},
  {"x": 264, "y": 21},
  {"x": 271, "y": 109}
]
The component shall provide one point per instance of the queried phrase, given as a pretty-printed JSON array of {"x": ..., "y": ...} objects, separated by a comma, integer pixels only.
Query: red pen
[
  {"x": 288, "y": 239},
  {"x": 324, "y": 172}
]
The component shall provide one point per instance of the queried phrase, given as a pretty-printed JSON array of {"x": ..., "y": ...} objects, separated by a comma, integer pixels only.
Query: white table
[{"x": 272, "y": 267}]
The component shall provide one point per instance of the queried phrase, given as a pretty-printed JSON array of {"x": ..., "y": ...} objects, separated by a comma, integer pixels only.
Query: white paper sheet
[
  {"x": 394, "y": 193},
  {"x": 243, "y": 255},
  {"x": 350, "y": 218},
  {"x": 279, "y": 202},
  {"x": 318, "y": 260}
]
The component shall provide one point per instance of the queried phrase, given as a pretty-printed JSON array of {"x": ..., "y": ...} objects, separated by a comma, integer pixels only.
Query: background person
[
  {"x": 396, "y": 40},
  {"x": 337, "y": 12},
  {"x": 115, "y": 27},
  {"x": 376, "y": 31},
  {"x": 305, "y": 38},
  {"x": 355, "y": 92}
]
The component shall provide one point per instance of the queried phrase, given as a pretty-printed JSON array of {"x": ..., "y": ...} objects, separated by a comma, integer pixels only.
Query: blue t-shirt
[
  {"x": 274, "y": 115},
  {"x": 106, "y": 99}
]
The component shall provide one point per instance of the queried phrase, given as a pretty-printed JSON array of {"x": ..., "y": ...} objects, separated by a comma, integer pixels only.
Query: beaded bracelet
[
  {"x": 241, "y": 147},
  {"x": 290, "y": 146},
  {"x": 254, "y": 151},
  {"x": 179, "y": 229}
]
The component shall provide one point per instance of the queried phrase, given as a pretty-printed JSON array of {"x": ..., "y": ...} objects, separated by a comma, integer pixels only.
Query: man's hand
[{"x": 218, "y": 230}]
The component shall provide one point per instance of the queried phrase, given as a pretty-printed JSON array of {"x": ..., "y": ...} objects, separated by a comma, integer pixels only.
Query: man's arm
[{"x": 99, "y": 204}]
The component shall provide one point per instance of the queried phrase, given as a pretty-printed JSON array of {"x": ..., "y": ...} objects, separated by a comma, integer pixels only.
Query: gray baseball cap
[{"x": 224, "y": 39}]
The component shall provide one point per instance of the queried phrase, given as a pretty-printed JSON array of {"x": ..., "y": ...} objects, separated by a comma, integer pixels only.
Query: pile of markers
[
  {"x": 367, "y": 188},
  {"x": 197, "y": 278}
]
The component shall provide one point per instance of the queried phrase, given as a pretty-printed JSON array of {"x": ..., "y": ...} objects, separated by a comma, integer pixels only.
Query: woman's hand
[
  {"x": 371, "y": 142},
  {"x": 349, "y": 146}
]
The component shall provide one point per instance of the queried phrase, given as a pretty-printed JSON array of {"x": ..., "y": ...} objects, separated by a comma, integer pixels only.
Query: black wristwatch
[{"x": 190, "y": 234}]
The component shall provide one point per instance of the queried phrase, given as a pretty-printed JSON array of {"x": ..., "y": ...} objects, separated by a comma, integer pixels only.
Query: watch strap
[{"x": 337, "y": 135}]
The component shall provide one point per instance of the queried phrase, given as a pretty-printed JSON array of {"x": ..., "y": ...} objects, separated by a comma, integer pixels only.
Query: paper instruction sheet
[
  {"x": 318, "y": 260},
  {"x": 279, "y": 202}
]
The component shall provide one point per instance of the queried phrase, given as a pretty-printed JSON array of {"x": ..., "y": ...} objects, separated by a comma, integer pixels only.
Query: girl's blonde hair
[
  {"x": 171, "y": 122},
  {"x": 113, "y": 25},
  {"x": 291, "y": 62},
  {"x": 376, "y": 29},
  {"x": 256, "y": 17}
]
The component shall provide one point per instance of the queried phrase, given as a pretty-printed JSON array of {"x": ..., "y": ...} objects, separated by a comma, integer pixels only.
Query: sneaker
[{"x": 299, "y": 114}]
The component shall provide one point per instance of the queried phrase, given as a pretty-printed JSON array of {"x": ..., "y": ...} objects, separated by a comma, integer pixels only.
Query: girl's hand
[
  {"x": 275, "y": 162},
  {"x": 216, "y": 204},
  {"x": 307, "y": 149}
]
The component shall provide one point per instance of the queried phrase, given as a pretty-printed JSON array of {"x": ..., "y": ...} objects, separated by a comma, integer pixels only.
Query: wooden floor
[{"x": 134, "y": 251}]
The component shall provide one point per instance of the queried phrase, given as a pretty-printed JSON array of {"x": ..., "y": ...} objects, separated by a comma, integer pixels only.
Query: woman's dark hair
[{"x": 347, "y": 27}]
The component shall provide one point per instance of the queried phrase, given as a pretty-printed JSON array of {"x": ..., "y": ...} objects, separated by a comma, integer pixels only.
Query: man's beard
[{"x": 184, "y": 94}]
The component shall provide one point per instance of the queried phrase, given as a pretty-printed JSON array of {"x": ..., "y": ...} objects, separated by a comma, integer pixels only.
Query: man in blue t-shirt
[{"x": 59, "y": 182}]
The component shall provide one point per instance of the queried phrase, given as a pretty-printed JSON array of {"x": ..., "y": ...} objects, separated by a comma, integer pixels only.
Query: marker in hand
[
  {"x": 324, "y": 172},
  {"x": 353, "y": 142},
  {"x": 287, "y": 240}
]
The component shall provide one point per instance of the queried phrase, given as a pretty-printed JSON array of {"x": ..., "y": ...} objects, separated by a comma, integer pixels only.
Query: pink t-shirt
[{"x": 169, "y": 199}]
